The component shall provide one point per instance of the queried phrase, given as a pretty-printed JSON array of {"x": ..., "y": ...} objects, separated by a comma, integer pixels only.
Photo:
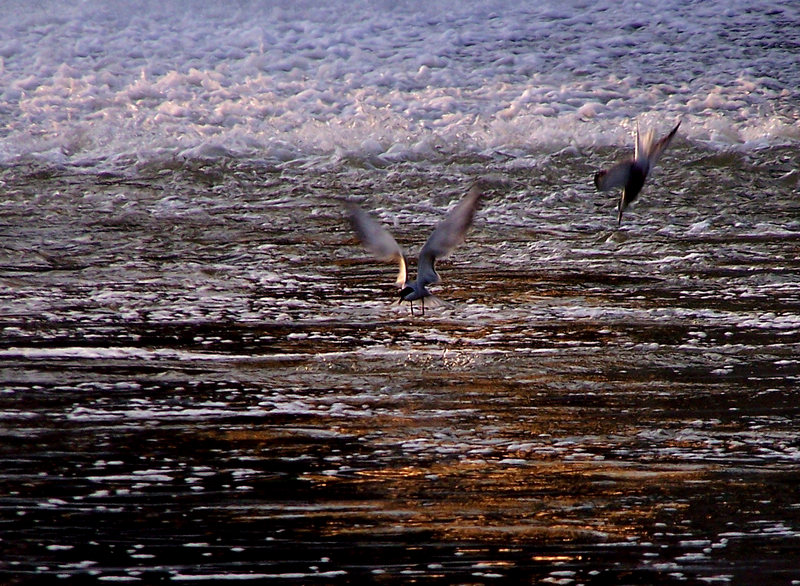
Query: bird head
[
  {"x": 408, "y": 290},
  {"x": 598, "y": 177}
]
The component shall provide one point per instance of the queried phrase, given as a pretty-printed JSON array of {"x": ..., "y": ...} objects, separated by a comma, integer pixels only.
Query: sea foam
[{"x": 98, "y": 83}]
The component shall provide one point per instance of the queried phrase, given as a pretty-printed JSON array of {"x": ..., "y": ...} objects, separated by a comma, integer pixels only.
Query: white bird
[
  {"x": 631, "y": 174},
  {"x": 448, "y": 234}
]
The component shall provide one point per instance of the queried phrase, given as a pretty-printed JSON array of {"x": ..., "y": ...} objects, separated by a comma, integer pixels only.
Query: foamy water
[
  {"x": 206, "y": 378},
  {"x": 98, "y": 83}
]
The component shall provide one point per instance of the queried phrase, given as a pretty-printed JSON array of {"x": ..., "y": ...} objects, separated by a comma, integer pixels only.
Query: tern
[
  {"x": 448, "y": 234},
  {"x": 631, "y": 174}
]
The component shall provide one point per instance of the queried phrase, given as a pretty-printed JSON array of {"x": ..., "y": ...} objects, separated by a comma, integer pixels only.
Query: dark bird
[
  {"x": 448, "y": 234},
  {"x": 631, "y": 174}
]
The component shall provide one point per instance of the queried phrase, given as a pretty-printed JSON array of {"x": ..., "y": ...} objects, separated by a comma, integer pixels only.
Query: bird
[
  {"x": 448, "y": 234},
  {"x": 631, "y": 174}
]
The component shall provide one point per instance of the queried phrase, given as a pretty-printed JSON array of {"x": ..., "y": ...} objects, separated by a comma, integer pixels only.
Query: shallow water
[{"x": 205, "y": 377}]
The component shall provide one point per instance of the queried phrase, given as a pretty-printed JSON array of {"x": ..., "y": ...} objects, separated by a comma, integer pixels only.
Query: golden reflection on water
[{"x": 540, "y": 502}]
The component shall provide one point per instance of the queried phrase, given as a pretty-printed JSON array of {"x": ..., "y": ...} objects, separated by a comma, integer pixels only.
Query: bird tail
[{"x": 432, "y": 301}]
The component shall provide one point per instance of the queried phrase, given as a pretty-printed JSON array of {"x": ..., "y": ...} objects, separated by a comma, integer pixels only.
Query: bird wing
[
  {"x": 448, "y": 234},
  {"x": 643, "y": 145},
  {"x": 377, "y": 239},
  {"x": 616, "y": 176},
  {"x": 653, "y": 148},
  {"x": 637, "y": 145}
]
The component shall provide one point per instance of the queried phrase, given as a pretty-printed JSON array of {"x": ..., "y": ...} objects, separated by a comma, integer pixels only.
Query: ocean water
[{"x": 204, "y": 377}]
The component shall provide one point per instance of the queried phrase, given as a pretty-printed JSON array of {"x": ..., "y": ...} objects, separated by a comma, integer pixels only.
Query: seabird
[
  {"x": 631, "y": 174},
  {"x": 448, "y": 234}
]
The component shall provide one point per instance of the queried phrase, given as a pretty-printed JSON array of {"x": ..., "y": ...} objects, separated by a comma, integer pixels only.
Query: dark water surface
[{"x": 204, "y": 377}]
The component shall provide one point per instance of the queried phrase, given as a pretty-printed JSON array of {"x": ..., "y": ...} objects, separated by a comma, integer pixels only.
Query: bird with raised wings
[
  {"x": 631, "y": 174},
  {"x": 448, "y": 234}
]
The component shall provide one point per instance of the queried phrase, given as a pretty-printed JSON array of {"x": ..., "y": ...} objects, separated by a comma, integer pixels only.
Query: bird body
[
  {"x": 448, "y": 234},
  {"x": 631, "y": 174}
]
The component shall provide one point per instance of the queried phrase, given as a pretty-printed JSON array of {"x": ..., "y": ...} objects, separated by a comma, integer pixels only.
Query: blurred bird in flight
[
  {"x": 631, "y": 174},
  {"x": 448, "y": 234}
]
